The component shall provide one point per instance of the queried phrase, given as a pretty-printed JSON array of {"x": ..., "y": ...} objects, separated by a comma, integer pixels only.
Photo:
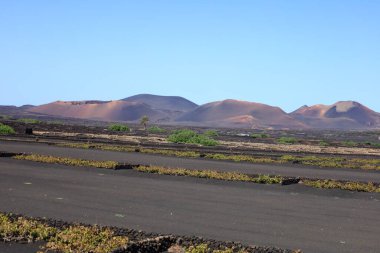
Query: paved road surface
[
  {"x": 139, "y": 158},
  {"x": 285, "y": 216},
  {"x": 19, "y": 247}
]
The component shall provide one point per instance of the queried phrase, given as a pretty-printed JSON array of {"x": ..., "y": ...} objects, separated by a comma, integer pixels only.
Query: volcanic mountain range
[{"x": 227, "y": 113}]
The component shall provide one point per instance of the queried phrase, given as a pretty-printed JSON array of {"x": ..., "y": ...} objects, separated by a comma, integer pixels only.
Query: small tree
[{"x": 144, "y": 121}]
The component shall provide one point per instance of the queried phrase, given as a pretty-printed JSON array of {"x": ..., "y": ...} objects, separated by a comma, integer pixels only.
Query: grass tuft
[
  {"x": 211, "y": 133},
  {"x": 29, "y": 121},
  {"x": 287, "y": 140}
]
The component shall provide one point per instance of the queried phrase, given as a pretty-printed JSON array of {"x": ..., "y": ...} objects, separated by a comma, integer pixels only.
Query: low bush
[
  {"x": 119, "y": 128},
  {"x": 56, "y": 122},
  {"x": 6, "y": 117},
  {"x": 349, "y": 143},
  {"x": 375, "y": 145},
  {"x": 287, "y": 140},
  {"x": 156, "y": 130},
  {"x": 260, "y": 136},
  {"x": 5, "y": 129},
  {"x": 29, "y": 121},
  {"x": 323, "y": 144},
  {"x": 191, "y": 137},
  {"x": 211, "y": 133}
]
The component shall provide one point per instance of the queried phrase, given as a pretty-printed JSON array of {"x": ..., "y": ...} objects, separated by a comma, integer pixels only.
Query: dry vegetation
[
  {"x": 350, "y": 186},
  {"x": 107, "y": 147},
  {"x": 260, "y": 179},
  {"x": 58, "y": 236},
  {"x": 203, "y": 248},
  {"x": 85, "y": 239},
  {"x": 67, "y": 161},
  {"x": 21, "y": 229},
  {"x": 209, "y": 174},
  {"x": 75, "y": 238},
  {"x": 309, "y": 160}
]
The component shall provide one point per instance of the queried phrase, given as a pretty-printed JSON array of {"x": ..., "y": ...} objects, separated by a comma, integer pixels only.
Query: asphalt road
[
  {"x": 140, "y": 158},
  {"x": 292, "y": 217},
  {"x": 19, "y": 247}
]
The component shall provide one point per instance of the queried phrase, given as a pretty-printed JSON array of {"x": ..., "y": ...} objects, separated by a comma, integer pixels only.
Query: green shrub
[
  {"x": 260, "y": 136},
  {"x": 287, "y": 140},
  {"x": 349, "y": 143},
  {"x": 56, "y": 122},
  {"x": 4, "y": 130},
  {"x": 29, "y": 121},
  {"x": 211, "y": 133},
  {"x": 2, "y": 116},
  {"x": 119, "y": 128},
  {"x": 324, "y": 143},
  {"x": 189, "y": 136},
  {"x": 155, "y": 130},
  {"x": 375, "y": 145}
]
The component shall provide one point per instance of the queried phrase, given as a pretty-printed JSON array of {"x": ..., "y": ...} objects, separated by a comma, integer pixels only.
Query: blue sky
[{"x": 282, "y": 53}]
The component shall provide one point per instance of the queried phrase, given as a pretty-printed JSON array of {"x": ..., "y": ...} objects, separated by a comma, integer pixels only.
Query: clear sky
[{"x": 282, "y": 53}]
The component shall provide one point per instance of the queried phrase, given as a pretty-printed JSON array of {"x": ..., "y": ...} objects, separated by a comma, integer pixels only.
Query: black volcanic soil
[{"x": 368, "y": 139}]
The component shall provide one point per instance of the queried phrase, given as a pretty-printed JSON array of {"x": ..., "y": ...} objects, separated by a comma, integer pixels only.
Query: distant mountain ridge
[
  {"x": 229, "y": 113},
  {"x": 164, "y": 102},
  {"x": 343, "y": 114}
]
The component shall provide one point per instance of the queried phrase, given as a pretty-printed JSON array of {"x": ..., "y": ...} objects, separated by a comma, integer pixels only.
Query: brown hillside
[
  {"x": 235, "y": 113},
  {"x": 344, "y": 114},
  {"x": 100, "y": 110}
]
